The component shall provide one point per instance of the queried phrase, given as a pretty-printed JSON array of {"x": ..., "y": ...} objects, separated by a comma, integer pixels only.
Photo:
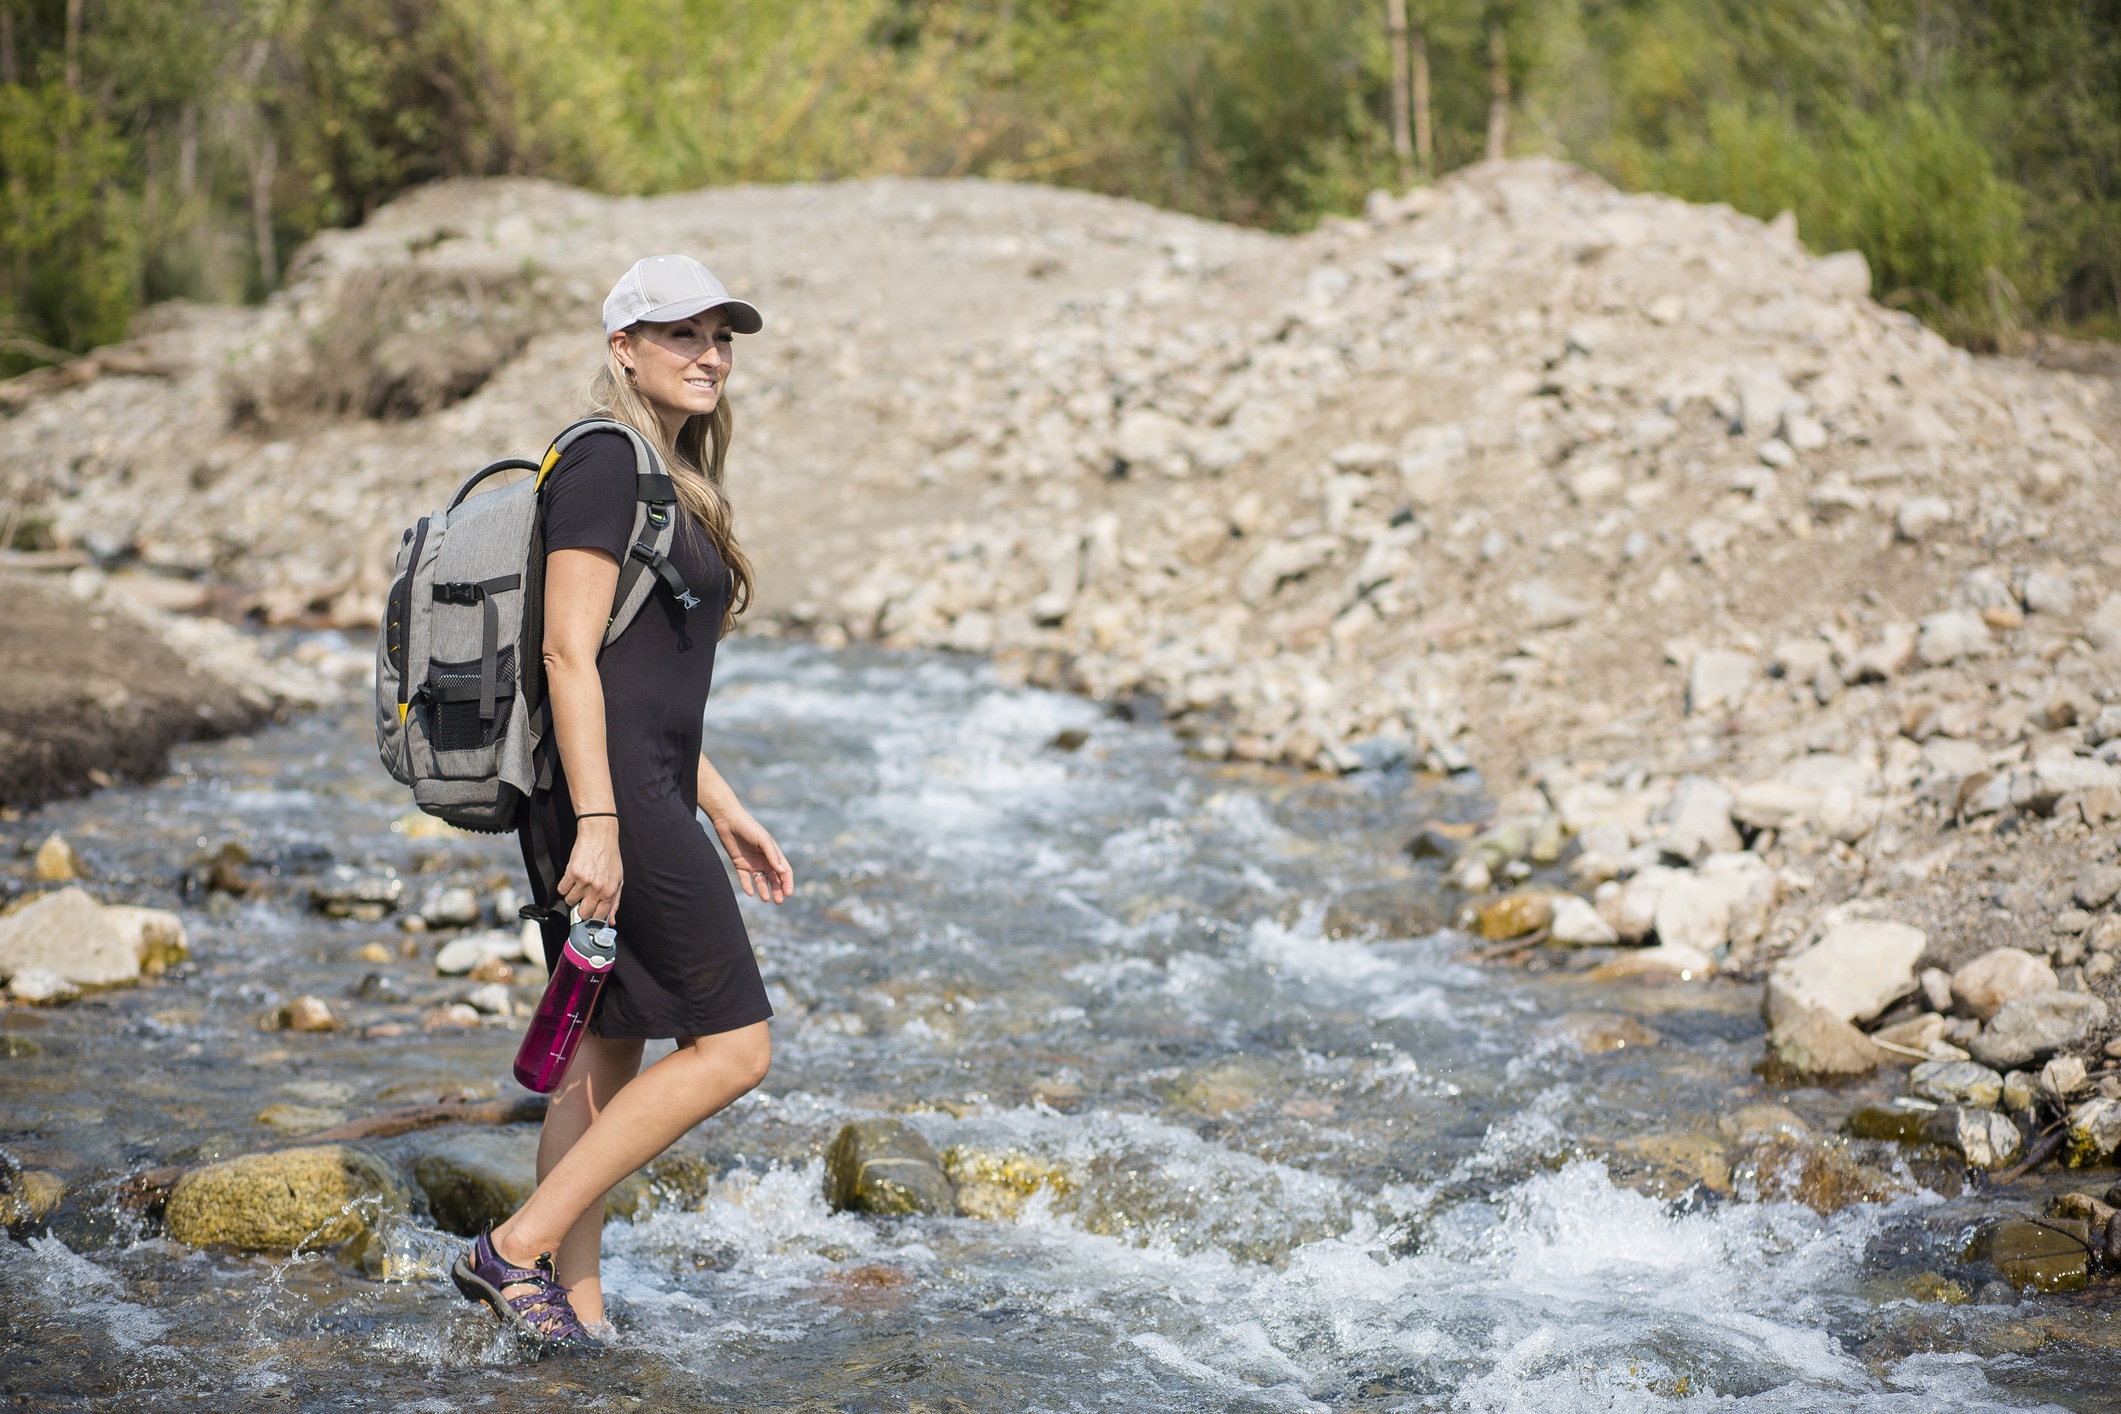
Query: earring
[{"x": 631, "y": 376}]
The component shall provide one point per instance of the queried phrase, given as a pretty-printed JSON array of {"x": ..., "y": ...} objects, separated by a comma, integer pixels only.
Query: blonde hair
[{"x": 694, "y": 463}]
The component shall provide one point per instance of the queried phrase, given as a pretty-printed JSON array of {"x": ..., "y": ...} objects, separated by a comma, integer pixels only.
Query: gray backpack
[{"x": 461, "y": 714}]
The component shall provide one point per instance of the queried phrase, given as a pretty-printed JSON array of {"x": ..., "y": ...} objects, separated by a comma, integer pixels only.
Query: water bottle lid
[{"x": 594, "y": 943}]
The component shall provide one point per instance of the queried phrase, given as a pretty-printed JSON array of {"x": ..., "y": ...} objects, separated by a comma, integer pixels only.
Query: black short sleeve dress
[{"x": 685, "y": 963}]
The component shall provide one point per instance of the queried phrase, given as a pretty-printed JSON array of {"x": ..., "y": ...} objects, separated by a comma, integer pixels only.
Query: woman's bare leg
[
  {"x": 600, "y": 1069},
  {"x": 644, "y": 1117}
]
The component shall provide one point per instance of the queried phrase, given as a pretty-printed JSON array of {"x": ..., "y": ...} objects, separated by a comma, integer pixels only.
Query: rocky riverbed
[{"x": 1193, "y": 1104}]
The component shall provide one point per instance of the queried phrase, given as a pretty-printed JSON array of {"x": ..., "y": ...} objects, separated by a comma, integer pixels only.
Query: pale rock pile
[
  {"x": 272, "y": 455},
  {"x": 1294, "y": 497}
]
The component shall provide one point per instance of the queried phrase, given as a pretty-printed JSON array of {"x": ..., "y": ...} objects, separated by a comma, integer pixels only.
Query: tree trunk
[
  {"x": 1402, "y": 133},
  {"x": 73, "y": 45},
  {"x": 1498, "y": 92},
  {"x": 1424, "y": 135},
  {"x": 188, "y": 152},
  {"x": 262, "y": 171}
]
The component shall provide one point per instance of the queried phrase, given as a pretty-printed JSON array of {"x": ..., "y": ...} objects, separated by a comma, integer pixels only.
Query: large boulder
[
  {"x": 320, "y": 1195},
  {"x": 1855, "y": 971},
  {"x": 2036, "y": 1026},
  {"x": 885, "y": 1167},
  {"x": 1815, "y": 1043},
  {"x": 68, "y": 933},
  {"x": 1999, "y": 976}
]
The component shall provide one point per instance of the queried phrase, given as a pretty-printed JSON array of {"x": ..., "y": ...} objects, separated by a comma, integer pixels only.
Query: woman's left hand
[{"x": 761, "y": 868}]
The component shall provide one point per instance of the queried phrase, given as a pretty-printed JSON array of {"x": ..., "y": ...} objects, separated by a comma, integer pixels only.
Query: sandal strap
[{"x": 546, "y": 1306}]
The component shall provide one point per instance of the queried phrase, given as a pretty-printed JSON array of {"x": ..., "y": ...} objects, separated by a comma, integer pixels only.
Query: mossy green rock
[
  {"x": 884, "y": 1166},
  {"x": 318, "y": 1195},
  {"x": 29, "y": 1197},
  {"x": 1887, "y": 1122}
]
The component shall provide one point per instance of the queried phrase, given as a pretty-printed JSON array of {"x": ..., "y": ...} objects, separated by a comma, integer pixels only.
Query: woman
[{"x": 627, "y": 720}]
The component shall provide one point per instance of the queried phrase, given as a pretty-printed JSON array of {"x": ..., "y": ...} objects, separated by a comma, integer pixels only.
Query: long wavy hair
[{"x": 694, "y": 462}]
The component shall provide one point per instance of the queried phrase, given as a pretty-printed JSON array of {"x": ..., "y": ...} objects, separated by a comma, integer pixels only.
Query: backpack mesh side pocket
[{"x": 453, "y": 695}]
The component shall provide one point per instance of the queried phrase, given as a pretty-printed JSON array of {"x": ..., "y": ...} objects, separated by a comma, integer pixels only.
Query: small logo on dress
[{"x": 689, "y": 600}]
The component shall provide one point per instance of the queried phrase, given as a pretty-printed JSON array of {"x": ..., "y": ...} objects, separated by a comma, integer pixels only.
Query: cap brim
[{"x": 744, "y": 318}]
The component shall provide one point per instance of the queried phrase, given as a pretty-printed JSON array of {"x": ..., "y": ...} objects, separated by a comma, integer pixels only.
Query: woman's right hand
[{"x": 594, "y": 874}]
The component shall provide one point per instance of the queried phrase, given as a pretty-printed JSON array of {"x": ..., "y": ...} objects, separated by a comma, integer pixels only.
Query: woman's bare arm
[
  {"x": 578, "y": 589},
  {"x": 761, "y": 868}
]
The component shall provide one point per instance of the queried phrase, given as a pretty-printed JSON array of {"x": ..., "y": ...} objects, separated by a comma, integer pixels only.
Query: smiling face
[{"x": 680, "y": 367}]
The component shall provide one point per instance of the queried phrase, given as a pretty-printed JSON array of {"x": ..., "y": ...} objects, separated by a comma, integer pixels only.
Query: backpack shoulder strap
[{"x": 654, "y": 524}]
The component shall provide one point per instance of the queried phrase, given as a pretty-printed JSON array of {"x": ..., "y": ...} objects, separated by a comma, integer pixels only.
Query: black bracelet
[{"x": 599, "y": 815}]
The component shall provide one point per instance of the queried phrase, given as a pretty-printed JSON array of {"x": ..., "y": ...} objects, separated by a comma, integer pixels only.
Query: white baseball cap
[{"x": 661, "y": 288}]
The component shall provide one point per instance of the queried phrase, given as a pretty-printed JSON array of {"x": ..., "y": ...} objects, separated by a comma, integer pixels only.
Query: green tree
[{"x": 68, "y": 267}]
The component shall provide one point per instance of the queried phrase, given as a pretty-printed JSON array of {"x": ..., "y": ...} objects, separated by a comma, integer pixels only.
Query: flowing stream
[{"x": 1261, "y": 1153}]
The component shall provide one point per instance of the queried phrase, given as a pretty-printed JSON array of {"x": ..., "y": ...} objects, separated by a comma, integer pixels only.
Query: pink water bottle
[{"x": 563, "y": 1014}]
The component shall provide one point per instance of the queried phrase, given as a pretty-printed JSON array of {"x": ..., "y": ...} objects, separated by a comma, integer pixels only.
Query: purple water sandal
[{"x": 540, "y": 1313}]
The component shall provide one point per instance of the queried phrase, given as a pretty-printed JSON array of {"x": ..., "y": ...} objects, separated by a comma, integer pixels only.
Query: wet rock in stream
[
  {"x": 884, "y": 1167},
  {"x": 27, "y": 1196},
  {"x": 997, "y": 1185},
  {"x": 57, "y": 861},
  {"x": 2047, "y": 1254},
  {"x": 40, "y": 986},
  {"x": 319, "y": 1195},
  {"x": 1596, "y": 1033},
  {"x": 301, "y": 1014},
  {"x": 1821, "y": 1174},
  {"x": 299, "y": 1119},
  {"x": 1896, "y": 1123},
  {"x": 345, "y": 892},
  {"x": 474, "y": 1178}
]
